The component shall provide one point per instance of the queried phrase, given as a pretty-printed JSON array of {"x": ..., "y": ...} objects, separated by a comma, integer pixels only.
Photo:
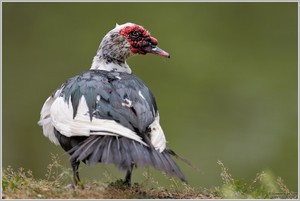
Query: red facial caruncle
[{"x": 141, "y": 42}]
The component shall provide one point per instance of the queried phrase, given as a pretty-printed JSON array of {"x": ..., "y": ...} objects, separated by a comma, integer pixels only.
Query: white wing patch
[
  {"x": 45, "y": 119},
  {"x": 158, "y": 138},
  {"x": 62, "y": 119},
  {"x": 57, "y": 113}
]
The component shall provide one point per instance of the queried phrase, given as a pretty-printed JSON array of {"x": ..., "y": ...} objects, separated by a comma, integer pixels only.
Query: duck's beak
[
  {"x": 152, "y": 48},
  {"x": 156, "y": 50}
]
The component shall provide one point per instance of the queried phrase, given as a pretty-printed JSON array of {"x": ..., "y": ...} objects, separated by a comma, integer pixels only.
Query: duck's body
[{"x": 109, "y": 115}]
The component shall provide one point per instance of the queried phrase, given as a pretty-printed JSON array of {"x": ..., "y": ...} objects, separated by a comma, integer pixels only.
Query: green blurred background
[{"x": 229, "y": 91}]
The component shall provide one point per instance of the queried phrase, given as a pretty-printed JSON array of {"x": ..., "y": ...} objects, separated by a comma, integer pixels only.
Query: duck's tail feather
[{"x": 124, "y": 153}]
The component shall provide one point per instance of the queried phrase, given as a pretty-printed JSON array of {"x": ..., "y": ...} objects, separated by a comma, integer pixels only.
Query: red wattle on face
[
  {"x": 154, "y": 41},
  {"x": 141, "y": 42}
]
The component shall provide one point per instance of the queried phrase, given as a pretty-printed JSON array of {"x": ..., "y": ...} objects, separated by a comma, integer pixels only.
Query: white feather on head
[{"x": 121, "y": 26}]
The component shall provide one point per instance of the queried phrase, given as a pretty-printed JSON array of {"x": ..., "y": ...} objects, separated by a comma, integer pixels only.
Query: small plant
[
  {"x": 57, "y": 173},
  {"x": 263, "y": 186},
  {"x": 21, "y": 184},
  {"x": 14, "y": 180}
]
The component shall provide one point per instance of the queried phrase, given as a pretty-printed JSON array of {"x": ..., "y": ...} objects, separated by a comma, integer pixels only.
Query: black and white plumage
[{"x": 109, "y": 115}]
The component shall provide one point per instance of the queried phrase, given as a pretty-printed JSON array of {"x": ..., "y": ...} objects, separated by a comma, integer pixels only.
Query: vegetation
[{"x": 22, "y": 184}]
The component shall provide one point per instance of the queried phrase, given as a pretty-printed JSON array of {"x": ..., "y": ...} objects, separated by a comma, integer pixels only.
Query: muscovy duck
[{"x": 107, "y": 114}]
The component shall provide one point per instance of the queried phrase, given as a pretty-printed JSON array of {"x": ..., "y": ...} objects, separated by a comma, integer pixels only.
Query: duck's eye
[{"x": 135, "y": 34}]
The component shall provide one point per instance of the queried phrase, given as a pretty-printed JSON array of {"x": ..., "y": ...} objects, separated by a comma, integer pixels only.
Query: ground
[{"x": 21, "y": 184}]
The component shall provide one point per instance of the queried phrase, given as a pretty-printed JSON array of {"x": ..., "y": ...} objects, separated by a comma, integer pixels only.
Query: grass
[{"x": 22, "y": 184}]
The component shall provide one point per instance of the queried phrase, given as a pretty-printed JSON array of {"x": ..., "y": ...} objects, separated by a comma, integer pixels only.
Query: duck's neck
[
  {"x": 108, "y": 65},
  {"x": 112, "y": 55}
]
